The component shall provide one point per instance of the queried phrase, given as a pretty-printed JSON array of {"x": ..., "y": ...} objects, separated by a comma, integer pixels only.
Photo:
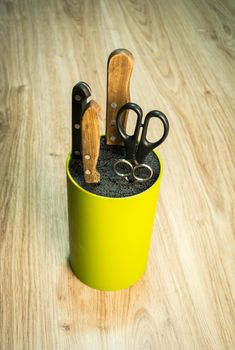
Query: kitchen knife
[
  {"x": 90, "y": 142},
  {"x": 119, "y": 69},
  {"x": 81, "y": 92}
]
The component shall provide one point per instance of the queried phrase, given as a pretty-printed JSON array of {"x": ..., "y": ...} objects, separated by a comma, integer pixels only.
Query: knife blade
[
  {"x": 90, "y": 142},
  {"x": 81, "y": 92},
  {"x": 119, "y": 69}
]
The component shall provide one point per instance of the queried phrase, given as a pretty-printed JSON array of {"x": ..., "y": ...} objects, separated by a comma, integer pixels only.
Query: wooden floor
[{"x": 184, "y": 65}]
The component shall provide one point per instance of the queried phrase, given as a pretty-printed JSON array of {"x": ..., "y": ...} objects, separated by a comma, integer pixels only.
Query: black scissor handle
[
  {"x": 145, "y": 146},
  {"x": 81, "y": 92},
  {"x": 130, "y": 141}
]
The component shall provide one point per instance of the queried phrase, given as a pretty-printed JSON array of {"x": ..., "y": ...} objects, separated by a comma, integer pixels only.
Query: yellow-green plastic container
[{"x": 109, "y": 237}]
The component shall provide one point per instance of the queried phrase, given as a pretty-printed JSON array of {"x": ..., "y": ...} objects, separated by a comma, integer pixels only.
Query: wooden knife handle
[
  {"x": 119, "y": 69},
  {"x": 90, "y": 136}
]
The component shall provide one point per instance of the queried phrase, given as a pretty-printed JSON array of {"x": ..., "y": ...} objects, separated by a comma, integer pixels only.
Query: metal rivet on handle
[
  {"x": 113, "y": 122},
  {"x": 77, "y": 126},
  {"x": 113, "y": 138},
  {"x": 76, "y": 153},
  {"x": 113, "y": 105},
  {"x": 88, "y": 172},
  {"x": 87, "y": 156},
  {"x": 77, "y": 98}
]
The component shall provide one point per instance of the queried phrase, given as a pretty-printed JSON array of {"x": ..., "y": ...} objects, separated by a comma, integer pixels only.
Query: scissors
[{"x": 136, "y": 152}]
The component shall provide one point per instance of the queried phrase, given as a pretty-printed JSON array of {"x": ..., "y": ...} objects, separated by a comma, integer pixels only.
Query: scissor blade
[
  {"x": 90, "y": 142},
  {"x": 119, "y": 69},
  {"x": 81, "y": 92}
]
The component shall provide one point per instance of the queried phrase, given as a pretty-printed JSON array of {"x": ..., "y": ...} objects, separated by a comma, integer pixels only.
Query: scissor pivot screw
[
  {"x": 77, "y": 98},
  {"x": 88, "y": 172},
  {"x": 77, "y": 126},
  {"x": 87, "y": 156},
  {"x": 113, "y": 105}
]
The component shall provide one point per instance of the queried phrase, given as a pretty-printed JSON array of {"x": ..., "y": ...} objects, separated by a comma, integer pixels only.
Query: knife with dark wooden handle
[
  {"x": 119, "y": 69},
  {"x": 81, "y": 92},
  {"x": 90, "y": 142}
]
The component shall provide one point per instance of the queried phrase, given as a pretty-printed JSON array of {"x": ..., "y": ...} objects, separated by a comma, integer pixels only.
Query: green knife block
[{"x": 109, "y": 237}]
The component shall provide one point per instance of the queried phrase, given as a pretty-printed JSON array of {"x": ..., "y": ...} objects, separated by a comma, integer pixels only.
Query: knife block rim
[{"x": 112, "y": 198}]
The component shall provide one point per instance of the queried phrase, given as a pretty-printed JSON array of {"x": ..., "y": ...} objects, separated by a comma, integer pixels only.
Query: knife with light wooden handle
[
  {"x": 90, "y": 136},
  {"x": 119, "y": 69}
]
